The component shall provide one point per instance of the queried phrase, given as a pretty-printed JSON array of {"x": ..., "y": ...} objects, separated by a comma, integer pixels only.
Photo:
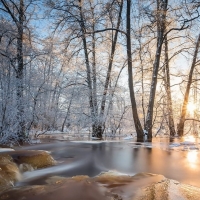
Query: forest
[{"x": 100, "y": 67}]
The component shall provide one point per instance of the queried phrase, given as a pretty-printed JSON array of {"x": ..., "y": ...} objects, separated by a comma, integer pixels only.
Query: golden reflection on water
[
  {"x": 192, "y": 158},
  {"x": 191, "y": 138}
]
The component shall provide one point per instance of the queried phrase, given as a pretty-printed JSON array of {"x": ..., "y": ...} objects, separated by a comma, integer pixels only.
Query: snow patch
[
  {"x": 174, "y": 191},
  {"x": 128, "y": 137},
  {"x": 115, "y": 173},
  {"x": 89, "y": 142},
  {"x": 6, "y": 149},
  {"x": 188, "y": 143}
]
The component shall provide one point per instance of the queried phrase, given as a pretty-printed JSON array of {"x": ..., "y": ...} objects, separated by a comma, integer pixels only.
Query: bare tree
[
  {"x": 168, "y": 91},
  {"x": 180, "y": 127},
  {"x": 160, "y": 19},
  {"x": 136, "y": 119},
  {"x": 108, "y": 75}
]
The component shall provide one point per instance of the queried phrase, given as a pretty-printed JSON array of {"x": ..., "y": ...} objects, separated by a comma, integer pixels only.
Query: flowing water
[{"x": 176, "y": 160}]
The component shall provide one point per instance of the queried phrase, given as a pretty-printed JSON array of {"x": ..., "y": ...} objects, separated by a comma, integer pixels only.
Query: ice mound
[{"x": 106, "y": 186}]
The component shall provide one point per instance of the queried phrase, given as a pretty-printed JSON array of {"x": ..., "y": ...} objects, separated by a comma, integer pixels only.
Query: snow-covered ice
[
  {"x": 128, "y": 137},
  {"x": 6, "y": 149}
]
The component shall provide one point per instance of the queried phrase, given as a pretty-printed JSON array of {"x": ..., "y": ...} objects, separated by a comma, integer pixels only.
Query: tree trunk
[
  {"x": 94, "y": 74},
  {"x": 137, "y": 123},
  {"x": 161, "y": 18},
  {"x": 89, "y": 80},
  {"x": 68, "y": 111},
  {"x": 180, "y": 128},
  {"x": 168, "y": 91},
  {"x": 20, "y": 75},
  {"x": 142, "y": 83},
  {"x": 101, "y": 125},
  {"x": 95, "y": 132},
  {"x": 68, "y": 114}
]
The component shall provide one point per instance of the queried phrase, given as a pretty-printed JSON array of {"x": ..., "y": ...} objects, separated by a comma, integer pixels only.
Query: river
[{"x": 175, "y": 159}]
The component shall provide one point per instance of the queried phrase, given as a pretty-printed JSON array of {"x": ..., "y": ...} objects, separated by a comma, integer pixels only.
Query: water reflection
[
  {"x": 192, "y": 157},
  {"x": 191, "y": 138}
]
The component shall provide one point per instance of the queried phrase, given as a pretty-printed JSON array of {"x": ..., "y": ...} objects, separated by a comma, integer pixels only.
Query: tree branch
[
  {"x": 107, "y": 29},
  {"x": 196, "y": 120},
  {"x": 9, "y": 11}
]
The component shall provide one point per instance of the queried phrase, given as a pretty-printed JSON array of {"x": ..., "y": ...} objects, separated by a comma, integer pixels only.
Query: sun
[{"x": 191, "y": 107}]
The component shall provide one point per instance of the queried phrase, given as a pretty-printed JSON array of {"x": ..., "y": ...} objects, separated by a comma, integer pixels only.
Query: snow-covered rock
[{"x": 6, "y": 149}]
